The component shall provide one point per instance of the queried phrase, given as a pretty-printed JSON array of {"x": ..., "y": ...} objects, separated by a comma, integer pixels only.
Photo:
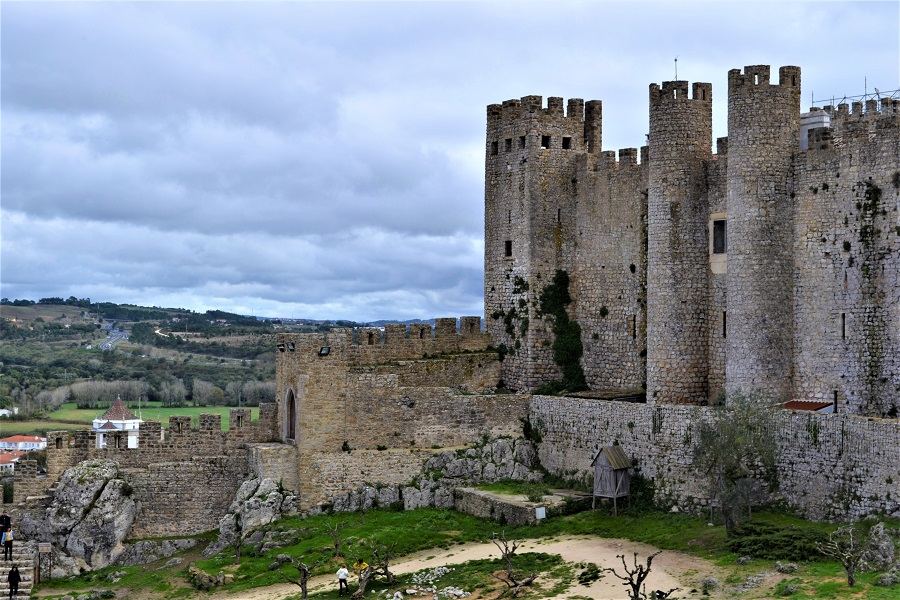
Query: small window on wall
[
  {"x": 720, "y": 237},
  {"x": 545, "y": 141},
  {"x": 567, "y": 143},
  {"x": 507, "y": 248},
  {"x": 521, "y": 142},
  {"x": 507, "y": 144},
  {"x": 494, "y": 148}
]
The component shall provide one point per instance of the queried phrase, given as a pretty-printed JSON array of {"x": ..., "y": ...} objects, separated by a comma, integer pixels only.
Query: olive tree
[{"x": 736, "y": 450}]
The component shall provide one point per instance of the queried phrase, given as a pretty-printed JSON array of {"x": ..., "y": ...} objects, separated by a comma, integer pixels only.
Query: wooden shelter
[{"x": 612, "y": 475}]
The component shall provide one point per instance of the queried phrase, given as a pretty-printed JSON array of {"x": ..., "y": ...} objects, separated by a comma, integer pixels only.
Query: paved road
[{"x": 115, "y": 336}]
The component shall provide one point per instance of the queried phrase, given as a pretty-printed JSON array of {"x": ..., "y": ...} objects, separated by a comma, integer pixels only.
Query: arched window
[{"x": 290, "y": 417}]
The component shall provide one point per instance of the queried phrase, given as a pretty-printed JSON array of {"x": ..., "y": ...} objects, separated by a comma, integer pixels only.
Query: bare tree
[
  {"x": 634, "y": 578},
  {"x": 304, "y": 571},
  {"x": 382, "y": 554},
  {"x": 507, "y": 548},
  {"x": 335, "y": 530},
  {"x": 364, "y": 578},
  {"x": 844, "y": 546},
  {"x": 239, "y": 536}
]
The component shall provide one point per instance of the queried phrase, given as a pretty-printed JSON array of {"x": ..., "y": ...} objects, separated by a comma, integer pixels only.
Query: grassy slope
[{"x": 424, "y": 529}]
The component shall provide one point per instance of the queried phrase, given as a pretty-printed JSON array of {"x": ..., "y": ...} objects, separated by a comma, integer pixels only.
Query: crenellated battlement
[
  {"x": 673, "y": 91},
  {"x": 367, "y": 345},
  {"x": 624, "y": 158},
  {"x": 870, "y": 109},
  {"x": 179, "y": 443},
  {"x": 757, "y": 77},
  {"x": 864, "y": 122},
  {"x": 533, "y": 106},
  {"x": 208, "y": 437},
  {"x": 528, "y": 123},
  {"x": 722, "y": 146}
]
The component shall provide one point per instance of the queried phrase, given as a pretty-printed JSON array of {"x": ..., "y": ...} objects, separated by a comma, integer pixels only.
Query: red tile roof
[
  {"x": 23, "y": 438},
  {"x": 10, "y": 457},
  {"x": 108, "y": 425},
  {"x": 118, "y": 412},
  {"x": 806, "y": 405}
]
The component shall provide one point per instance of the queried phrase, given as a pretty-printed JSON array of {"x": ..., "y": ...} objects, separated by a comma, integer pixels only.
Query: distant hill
[{"x": 383, "y": 322}]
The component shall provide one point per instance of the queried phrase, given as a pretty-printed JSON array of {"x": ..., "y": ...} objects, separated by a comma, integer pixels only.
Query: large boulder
[
  {"x": 90, "y": 515},
  {"x": 258, "y": 503}
]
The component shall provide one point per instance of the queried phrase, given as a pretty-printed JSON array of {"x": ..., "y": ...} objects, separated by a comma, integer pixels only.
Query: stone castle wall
[
  {"x": 846, "y": 247},
  {"x": 403, "y": 392},
  {"x": 830, "y": 466},
  {"x": 609, "y": 279},
  {"x": 761, "y": 316},
  {"x": 184, "y": 478}
]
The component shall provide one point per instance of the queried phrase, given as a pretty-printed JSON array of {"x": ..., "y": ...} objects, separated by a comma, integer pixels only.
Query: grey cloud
[{"x": 326, "y": 159}]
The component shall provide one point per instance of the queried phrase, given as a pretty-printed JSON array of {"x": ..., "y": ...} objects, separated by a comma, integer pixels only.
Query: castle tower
[
  {"x": 763, "y": 130},
  {"x": 680, "y": 142},
  {"x": 531, "y": 157}
]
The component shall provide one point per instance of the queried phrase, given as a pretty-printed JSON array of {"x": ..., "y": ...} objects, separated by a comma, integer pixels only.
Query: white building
[
  {"x": 8, "y": 461},
  {"x": 23, "y": 442},
  {"x": 117, "y": 426}
]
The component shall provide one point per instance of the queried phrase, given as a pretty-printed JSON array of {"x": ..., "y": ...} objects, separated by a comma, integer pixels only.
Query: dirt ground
[{"x": 670, "y": 569}]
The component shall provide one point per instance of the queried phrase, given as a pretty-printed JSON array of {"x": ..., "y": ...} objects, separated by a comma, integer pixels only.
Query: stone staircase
[{"x": 24, "y": 558}]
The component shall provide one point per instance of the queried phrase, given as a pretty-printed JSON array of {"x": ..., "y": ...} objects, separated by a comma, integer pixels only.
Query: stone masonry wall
[
  {"x": 847, "y": 262},
  {"x": 830, "y": 466},
  {"x": 184, "y": 478},
  {"x": 400, "y": 394},
  {"x": 184, "y": 498},
  {"x": 609, "y": 281}
]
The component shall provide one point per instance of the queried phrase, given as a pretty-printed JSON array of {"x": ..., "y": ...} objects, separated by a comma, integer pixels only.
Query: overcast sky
[{"x": 327, "y": 160}]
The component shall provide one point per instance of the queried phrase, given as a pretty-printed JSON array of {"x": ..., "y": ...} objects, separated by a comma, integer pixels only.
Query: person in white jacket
[{"x": 342, "y": 576}]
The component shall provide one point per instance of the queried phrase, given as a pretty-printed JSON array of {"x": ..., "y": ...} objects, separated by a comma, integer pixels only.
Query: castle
[{"x": 769, "y": 267}]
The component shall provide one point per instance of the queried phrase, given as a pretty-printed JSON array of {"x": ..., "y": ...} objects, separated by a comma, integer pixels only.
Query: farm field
[
  {"x": 47, "y": 312},
  {"x": 69, "y": 417},
  {"x": 35, "y": 427}
]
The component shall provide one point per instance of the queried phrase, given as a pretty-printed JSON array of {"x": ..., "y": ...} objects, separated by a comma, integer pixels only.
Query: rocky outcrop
[
  {"x": 90, "y": 515},
  {"x": 258, "y": 503},
  {"x": 500, "y": 459},
  {"x": 147, "y": 551}
]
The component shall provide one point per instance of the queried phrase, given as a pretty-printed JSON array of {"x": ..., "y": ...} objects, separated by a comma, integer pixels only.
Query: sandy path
[{"x": 670, "y": 568}]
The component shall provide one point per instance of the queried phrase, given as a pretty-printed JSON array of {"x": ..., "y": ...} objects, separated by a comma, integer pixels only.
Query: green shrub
[{"x": 762, "y": 540}]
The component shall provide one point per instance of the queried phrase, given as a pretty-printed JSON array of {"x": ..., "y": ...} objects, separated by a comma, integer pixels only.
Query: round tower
[
  {"x": 763, "y": 134},
  {"x": 677, "y": 255}
]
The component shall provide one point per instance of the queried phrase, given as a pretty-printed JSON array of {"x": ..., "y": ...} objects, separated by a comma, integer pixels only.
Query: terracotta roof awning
[
  {"x": 805, "y": 405},
  {"x": 118, "y": 412}
]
